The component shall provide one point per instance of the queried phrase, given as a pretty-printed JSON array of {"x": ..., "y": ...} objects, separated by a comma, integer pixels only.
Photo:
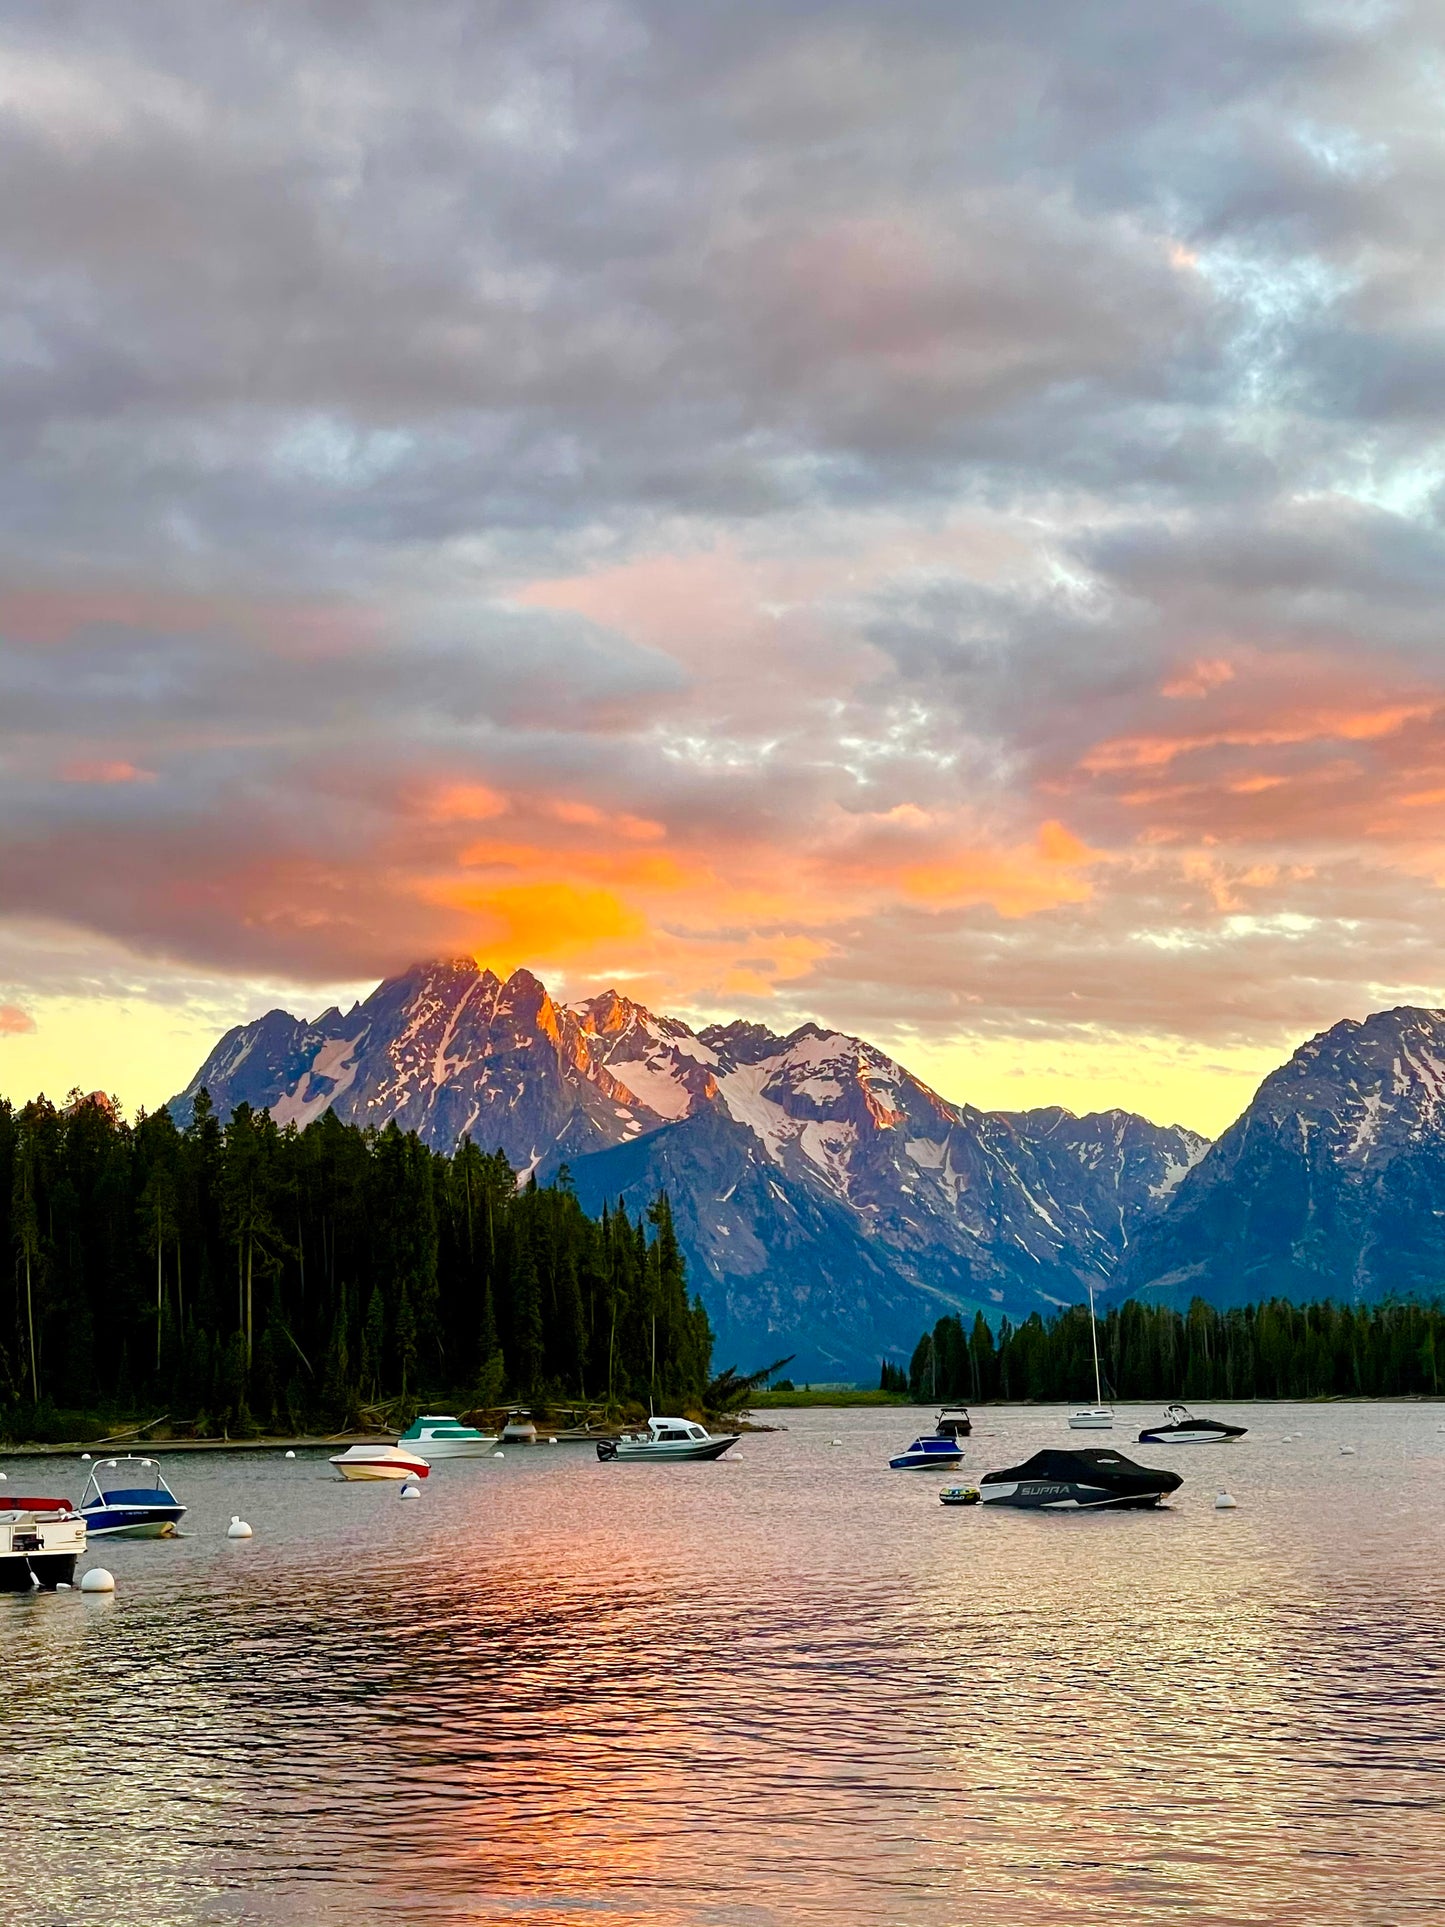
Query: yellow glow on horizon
[{"x": 1163, "y": 1078}]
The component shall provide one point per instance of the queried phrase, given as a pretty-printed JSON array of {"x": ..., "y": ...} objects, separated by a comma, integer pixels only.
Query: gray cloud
[{"x": 983, "y": 366}]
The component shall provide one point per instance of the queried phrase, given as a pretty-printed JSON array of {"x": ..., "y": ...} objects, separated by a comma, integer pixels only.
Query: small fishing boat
[
  {"x": 380, "y": 1462},
  {"x": 667, "y": 1440},
  {"x": 519, "y": 1429},
  {"x": 446, "y": 1438},
  {"x": 1180, "y": 1427},
  {"x": 924, "y": 1453},
  {"x": 118, "y": 1503},
  {"x": 1084, "y": 1481},
  {"x": 953, "y": 1422},
  {"x": 40, "y": 1541}
]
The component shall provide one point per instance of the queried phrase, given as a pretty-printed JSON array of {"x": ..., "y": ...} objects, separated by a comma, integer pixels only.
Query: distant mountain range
[
  {"x": 832, "y": 1205},
  {"x": 1331, "y": 1185}
]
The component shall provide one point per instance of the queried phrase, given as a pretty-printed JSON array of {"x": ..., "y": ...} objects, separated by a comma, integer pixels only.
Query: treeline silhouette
[
  {"x": 245, "y": 1275},
  {"x": 1271, "y": 1350}
]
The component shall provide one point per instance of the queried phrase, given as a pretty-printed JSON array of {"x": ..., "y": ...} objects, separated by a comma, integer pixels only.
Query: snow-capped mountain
[
  {"x": 829, "y": 1202},
  {"x": 1331, "y": 1185}
]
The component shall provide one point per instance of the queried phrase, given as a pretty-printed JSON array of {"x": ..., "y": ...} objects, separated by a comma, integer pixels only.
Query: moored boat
[
  {"x": 1180, "y": 1427},
  {"x": 444, "y": 1437},
  {"x": 40, "y": 1541},
  {"x": 1078, "y": 1481},
  {"x": 935, "y": 1451},
  {"x": 667, "y": 1441},
  {"x": 380, "y": 1462},
  {"x": 519, "y": 1429},
  {"x": 1097, "y": 1417},
  {"x": 127, "y": 1498},
  {"x": 953, "y": 1422}
]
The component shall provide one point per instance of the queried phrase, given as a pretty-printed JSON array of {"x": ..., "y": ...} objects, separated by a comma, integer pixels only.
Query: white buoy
[
  {"x": 1347, "y": 1451},
  {"x": 1225, "y": 1502},
  {"x": 4, "y": 1475},
  {"x": 238, "y": 1529},
  {"x": 409, "y": 1491},
  {"x": 551, "y": 1441},
  {"x": 835, "y": 1441},
  {"x": 499, "y": 1455},
  {"x": 97, "y": 1580},
  {"x": 85, "y": 1455},
  {"x": 290, "y": 1455}
]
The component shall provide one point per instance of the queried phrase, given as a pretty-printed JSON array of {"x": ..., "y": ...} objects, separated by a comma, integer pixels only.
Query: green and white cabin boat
[{"x": 440, "y": 1436}]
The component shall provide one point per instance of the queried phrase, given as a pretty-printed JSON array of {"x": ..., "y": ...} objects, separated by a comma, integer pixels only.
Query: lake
[{"x": 786, "y": 1688}]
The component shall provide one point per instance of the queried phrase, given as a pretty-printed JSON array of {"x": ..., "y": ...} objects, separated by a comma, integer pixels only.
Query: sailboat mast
[{"x": 1094, "y": 1338}]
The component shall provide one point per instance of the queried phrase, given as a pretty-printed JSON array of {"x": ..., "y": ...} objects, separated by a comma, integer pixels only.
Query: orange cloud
[
  {"x": 1199, "y": 679},
  {"x": 85, "y": 772},
  {"x": 1017, "y": 883},
  {"x": 15, "y": 1022}
]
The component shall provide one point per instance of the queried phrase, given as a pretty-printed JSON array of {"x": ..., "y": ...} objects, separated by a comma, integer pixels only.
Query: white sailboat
[{"x": 1097, "y": 1417}]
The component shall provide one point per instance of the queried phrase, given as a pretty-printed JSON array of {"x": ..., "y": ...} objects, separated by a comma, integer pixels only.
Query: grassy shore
[{"x": 832, "y": 1395}]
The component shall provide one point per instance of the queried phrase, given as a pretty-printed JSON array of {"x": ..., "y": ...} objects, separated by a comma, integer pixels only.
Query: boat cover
[{"x": 1109, "y": 1470}]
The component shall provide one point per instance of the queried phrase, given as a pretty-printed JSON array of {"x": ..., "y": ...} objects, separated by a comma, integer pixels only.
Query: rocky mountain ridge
[
  {"x": 829, "y": 1202},
  {"x": 1331, "y": 1184}
]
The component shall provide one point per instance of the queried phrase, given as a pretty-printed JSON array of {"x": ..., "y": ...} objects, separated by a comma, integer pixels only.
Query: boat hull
[
  {"x": 362, "y": 1474},
  {"x": 455, "y": 1448},
  {"x": 1051, "y": 1495},
  {"x": 22, "y": 1571},
  {"x": 694, "y": 1450},
  {"x": 1091, "y": 1422},
  {"x": 134, "y": 1522},
  {"x": 1192, "y": 1435}
]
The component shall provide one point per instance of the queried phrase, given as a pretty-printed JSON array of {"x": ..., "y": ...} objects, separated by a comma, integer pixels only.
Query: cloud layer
[{"x": 926, "y": 514}]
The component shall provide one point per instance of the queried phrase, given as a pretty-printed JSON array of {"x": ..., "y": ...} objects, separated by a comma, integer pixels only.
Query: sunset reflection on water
[{"x": 786, "y": 1688}]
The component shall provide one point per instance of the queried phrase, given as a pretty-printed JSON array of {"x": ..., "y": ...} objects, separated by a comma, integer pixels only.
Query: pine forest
[{"x": 244, "y": 1276}]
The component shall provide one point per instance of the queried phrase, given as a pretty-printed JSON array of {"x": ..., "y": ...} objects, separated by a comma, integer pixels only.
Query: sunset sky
[{"x": 921, "y": 515}]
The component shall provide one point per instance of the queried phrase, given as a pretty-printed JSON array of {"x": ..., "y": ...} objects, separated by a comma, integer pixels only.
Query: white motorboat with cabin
[
  {"x": 380, "y": 1462},
  {"x": 445, "y": 1437},
  {"x": 667, "y": 1441},
  {"x": 40, "y": 1541},
  {"x": 519, "y": 1429}
]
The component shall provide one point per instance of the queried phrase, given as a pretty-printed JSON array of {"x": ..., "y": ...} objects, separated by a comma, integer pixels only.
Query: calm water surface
[{"x": 787, "y": 1688}]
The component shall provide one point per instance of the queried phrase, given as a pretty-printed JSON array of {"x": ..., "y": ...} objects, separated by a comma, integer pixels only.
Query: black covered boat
[{"x": 1078, "y": 1481}]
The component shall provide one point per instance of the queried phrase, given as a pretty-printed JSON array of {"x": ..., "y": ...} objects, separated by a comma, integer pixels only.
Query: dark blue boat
[
  {"x": 936, "y": 1452},
  {"x": 118, "y": 1504}
]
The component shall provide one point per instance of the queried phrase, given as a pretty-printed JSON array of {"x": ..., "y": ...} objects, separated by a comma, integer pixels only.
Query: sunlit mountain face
[
  {"x": 925, "y": 516},
  {"x": 830, "y": 1203}
]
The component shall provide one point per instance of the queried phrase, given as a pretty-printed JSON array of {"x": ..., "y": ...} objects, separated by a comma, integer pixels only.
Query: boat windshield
[{"x": 109, "y": 1477}]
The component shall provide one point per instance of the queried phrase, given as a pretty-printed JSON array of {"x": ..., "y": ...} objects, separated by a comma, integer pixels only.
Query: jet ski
[
  {"x": 1060, "y": 1481},
  {"x": 1180, "y": 1427}
]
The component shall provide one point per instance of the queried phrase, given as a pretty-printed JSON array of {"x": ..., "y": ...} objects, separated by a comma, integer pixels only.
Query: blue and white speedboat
[
  {"x": 934, "y": 1451},
  {"x": 118, "y": 1504}
]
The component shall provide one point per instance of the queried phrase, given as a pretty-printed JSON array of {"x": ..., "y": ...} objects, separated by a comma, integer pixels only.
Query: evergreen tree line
[
  {"x": 246, "y": 1274},
  {"x": 1272, "y": 1350}
]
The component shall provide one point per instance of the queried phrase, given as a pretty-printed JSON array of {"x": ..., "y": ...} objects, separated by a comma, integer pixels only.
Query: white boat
[
  {"x": 1097, "y": 1417},
  {"x": 519, "y": 1429},
  {"x": 667, "y": 1440},
  {"x": 40, "y": 1541},
  {"x": 1180, "y": 1427},
  {"x": 380, "y": 1462},
  {"x": 445, "y": 1437}
]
